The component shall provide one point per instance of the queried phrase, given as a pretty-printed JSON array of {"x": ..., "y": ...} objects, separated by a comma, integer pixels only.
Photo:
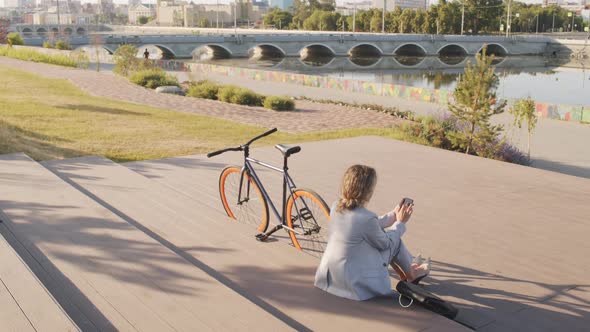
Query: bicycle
[{"x": 304, "y": 215}]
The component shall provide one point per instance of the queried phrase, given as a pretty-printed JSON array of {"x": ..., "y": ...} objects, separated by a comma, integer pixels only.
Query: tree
[
  {"x": 4, "y": 24},
  {"x": 96, "y": 41},
  {"x": 280, "y": 19},
  {"x": 14, "y": 38},
  {"x": 142, "y": 20},
  {"x": 204, "y": 22},
  {"x": 524, "y": 110},
  {"x": 474, "y": 104},
  {"x": 126, "y": 60}
]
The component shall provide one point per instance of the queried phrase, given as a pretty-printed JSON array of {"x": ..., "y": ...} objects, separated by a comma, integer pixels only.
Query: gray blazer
[{"x": 355, "y": 262}]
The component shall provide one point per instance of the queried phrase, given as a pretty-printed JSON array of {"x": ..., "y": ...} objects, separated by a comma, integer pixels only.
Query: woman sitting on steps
[{"x": 362, "y": 245}]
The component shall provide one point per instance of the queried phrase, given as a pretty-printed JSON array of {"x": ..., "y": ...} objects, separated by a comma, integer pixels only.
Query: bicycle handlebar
[
  {"x": 241, "y": 147},
  {"x": 261, "y": 136},
  {"x": 215, "y": 153}
]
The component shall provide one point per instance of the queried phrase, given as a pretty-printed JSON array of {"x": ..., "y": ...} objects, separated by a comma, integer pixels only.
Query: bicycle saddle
[{"x": 287, "y": 150}]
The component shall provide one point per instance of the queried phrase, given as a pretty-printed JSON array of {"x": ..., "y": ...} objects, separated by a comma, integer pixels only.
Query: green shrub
[
  {"x": 31, "y": 55},
  {"x": 153, "y": 78},
  {"x": 279, "y": 103},
  {"x": 47, "y": 44},
  {"x": 14, "y": 38},
  {"x": 226, "y": 92},
  {"x": 126, "y": 61},
  {"x": 247, "y": 97},
  {"x": 62, "y": 45},
  {"x": 204, "y": 89}
]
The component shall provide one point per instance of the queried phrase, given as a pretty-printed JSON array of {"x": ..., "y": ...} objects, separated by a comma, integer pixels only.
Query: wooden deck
[
  {"x": 273, "y": 275},
  {"x": 108, "y": 274},
  {"x": 146, "y": 246},
  {"x": 25, "y": 304},
  {"x": 508, "y": 242}
]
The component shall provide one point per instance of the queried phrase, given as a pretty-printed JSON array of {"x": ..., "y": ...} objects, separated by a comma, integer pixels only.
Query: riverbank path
[{"x": 309, "y": 116}]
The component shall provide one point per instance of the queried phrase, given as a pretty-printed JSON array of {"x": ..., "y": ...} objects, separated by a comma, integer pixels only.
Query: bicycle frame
[{"x": 287, "y": 183}]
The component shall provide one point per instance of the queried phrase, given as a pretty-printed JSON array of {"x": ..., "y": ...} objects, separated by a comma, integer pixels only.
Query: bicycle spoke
[
  {"x": 251, "y": 208},
  {"x": 309, "y": 216}
]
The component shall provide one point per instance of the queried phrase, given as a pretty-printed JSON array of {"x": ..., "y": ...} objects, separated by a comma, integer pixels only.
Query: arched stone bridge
[
  {"x": 302, "y": 45},
  {"x": 47, "y": 30}
]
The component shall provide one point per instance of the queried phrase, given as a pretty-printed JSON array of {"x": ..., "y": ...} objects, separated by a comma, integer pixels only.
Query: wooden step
[
  {"x": 508, "y": 242},
  {"x": 107, "y": 274},
  {"x": 275, "y": 275},
  {"x": 26, "y": 304}
]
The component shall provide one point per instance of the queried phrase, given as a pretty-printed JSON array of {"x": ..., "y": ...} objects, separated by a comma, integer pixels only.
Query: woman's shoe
[
  {"x": 423, "y": 273},
  {"x": 418, "y": 260}
]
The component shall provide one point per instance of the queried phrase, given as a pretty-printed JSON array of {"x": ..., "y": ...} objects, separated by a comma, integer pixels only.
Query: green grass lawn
[{"x": 52, "y": 119}]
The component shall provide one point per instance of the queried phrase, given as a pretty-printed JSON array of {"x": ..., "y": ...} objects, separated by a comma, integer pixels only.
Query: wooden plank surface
[
  {"x": 26, "y": 304},
  {"x": 504, "y": 238},
  {"x": 275, "y": 274},
  {"x": 122, "y": 278}
]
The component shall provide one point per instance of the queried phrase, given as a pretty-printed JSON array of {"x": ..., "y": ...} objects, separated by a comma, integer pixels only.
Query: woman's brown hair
[{"x": 358, "y": 184}]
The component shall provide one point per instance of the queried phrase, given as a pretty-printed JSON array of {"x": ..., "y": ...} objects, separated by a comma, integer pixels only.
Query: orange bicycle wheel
[
  {"x": 307, "y": 213},
  {"x": 252, "y": 208}
]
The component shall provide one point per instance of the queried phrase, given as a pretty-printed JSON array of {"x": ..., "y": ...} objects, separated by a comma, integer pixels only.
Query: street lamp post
[
  {"x": 236, "y": 18},
  {"x": 217, "y": 16},
  {"x": 537, "y": 30},
  {"x": 508, "y": 20},
  {"x": 572, "y": 15},
  {"x": 383, "y": 17},
  {"x": 354, "y": 18},
  {"x": 462, "y": 16}
]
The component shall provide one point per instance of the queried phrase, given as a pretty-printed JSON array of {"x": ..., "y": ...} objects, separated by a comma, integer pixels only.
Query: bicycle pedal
[{"x": 261, "y": 237}]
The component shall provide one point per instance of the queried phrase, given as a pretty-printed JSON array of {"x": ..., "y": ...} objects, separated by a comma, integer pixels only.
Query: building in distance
[{"x": 390, "y": 5}]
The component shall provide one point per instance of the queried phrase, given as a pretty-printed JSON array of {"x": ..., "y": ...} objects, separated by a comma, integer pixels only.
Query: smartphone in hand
[{"x": 406, "y": 201}]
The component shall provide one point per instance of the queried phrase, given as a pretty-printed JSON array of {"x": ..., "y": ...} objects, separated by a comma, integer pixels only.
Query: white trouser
[{"x": 403, "y": 258}]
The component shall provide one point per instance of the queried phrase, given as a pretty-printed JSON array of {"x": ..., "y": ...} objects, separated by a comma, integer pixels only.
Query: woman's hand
[{"x": 404, "y": 213}]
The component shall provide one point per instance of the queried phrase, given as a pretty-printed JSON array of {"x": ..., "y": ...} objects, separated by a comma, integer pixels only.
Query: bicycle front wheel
[
  {"x": 308, "y": 215},
  {"x": 249, "y": 207}
]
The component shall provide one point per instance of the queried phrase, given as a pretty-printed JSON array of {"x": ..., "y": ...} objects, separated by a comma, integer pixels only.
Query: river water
[{"x": 543, "y": 79}]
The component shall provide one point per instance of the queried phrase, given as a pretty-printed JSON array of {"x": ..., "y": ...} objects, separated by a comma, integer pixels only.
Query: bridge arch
[
  {"x": 41, "y": 32},
  {"x": 68, "y": 31},
  {"x": 27, "y": 32},
  {"x": 211, "y": 51},
  {"x": 266, "y": 51},
  {"x": 54, "y": 32},
  {"x": 165, "y": 52},
  {"x": 452, "y": 50},
  {"x": 319, "y": 50},
  {"x": 410, "y": 49},
  {"x": 80, "y": 31},
  {"x": 495, "y": 49},
  {"x": 364, "y": 63},
  {"x": 365, "y": 50},
  {"x": 409, "y": 61},
  {"x": 110, "y": 50},
  {"x": 317, "y": 64}
]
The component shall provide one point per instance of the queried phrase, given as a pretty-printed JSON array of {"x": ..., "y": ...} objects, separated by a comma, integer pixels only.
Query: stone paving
[{"x": 309, "y": 117}]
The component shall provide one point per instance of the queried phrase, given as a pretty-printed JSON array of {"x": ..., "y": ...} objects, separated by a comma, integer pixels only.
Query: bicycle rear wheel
[
  {"x": 307, "y": 213},
  {"x": 252, "y": 208}
]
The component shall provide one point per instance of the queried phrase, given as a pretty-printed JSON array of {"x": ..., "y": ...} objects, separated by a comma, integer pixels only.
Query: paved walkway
[{"x": 309, "y": 116}]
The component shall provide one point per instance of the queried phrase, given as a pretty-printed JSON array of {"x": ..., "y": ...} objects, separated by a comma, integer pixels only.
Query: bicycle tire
[
  {"x": 250, "y": 211},
  {"x": 306, "y": 210}
]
